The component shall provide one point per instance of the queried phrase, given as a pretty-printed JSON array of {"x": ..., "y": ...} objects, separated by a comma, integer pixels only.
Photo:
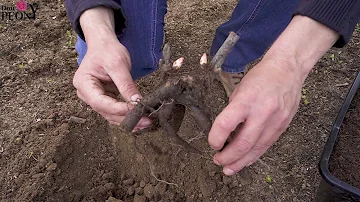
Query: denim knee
[
  {"x": 143, "y": 37},
  {"x": 258, "y": 23}
]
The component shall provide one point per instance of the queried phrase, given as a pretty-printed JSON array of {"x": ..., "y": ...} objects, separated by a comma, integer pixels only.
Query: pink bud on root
[
  {"x": 203, "y": 59},
  {"x": 178, "y": 63}
]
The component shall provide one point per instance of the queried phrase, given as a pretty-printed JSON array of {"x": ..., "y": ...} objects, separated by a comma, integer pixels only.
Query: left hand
[{"x": 265, "y": 102}]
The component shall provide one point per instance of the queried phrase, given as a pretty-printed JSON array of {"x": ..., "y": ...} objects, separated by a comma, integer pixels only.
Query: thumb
[{"x": 119, "y": 73}]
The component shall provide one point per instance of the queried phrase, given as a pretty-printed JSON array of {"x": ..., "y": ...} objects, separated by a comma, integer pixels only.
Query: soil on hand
[
  {"x": 45, "y": 156},
  {"x": 345, "y": 160}
]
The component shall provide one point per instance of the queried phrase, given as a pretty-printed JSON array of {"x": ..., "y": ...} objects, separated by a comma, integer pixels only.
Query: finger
[
  {"x": 266, "y": 139},
  {"x": 246, "y": 160},
  {"x": 78, "y": 93},
  {"x": 225, "y": 123},
  {"x": 242, "y": 143},
  {"x": 94, "y": 95},
  {"x": 114, "y": 123},
  {"x": 119, "y": 71}
]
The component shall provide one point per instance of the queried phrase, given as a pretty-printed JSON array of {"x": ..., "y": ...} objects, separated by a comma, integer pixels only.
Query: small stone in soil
[
  {"x": 52, "y": 167},
  {"x": 128, "y": 182}
]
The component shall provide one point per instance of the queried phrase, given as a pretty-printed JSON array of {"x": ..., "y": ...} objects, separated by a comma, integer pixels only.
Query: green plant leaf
[
  {"x": 304, "y": 91},
  {"x": 21, "y": 66},
  {"x": 70, "y": 38},
  {"x": 332, "y": 57},
  {"x": 306, "y": 102},
  {"x": 268, "y": 179}
]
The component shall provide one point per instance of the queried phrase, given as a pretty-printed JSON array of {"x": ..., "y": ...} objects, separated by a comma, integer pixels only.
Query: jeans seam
[
  {"x": 154, "y": 27},
  {"x": 251, "y": 17}
]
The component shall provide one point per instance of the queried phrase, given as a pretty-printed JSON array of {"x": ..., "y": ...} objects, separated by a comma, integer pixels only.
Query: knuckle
[
  {"x": 94, "y": 105},
  {"x": 284, "y": 116},
  {"x": 282, "y": 128},
  {"x": 260, "y": 148},
  {"x": 117, "y": 61},
  {"x": 243, "y": 146},
  {"x": 79, "y": 95},
  {"x": 127, "y": 87},
  {"x": 271, "y": 106},
  {"x": 223, "y": 122},
  {"x": 75, "y": 80}
]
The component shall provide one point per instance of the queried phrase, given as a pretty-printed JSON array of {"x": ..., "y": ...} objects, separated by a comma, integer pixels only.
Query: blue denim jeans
[{"x": 257, "y": 22}]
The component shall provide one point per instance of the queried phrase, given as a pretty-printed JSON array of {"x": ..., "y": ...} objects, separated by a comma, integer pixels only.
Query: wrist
[
  {"x": 301, "y": 45},
  {"x": 98, "y": 25}
]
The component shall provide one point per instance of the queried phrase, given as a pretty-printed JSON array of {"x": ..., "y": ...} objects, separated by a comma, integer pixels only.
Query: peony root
[{"x": 167, "y": 104}]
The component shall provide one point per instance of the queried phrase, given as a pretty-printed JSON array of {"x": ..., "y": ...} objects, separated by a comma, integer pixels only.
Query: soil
[
  {"x": 46, "y": 157},
  {"x": 345, "y": 160}
]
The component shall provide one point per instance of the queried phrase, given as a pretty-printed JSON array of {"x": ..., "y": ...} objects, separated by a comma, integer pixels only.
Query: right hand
[{"x": 102, "y": 75}]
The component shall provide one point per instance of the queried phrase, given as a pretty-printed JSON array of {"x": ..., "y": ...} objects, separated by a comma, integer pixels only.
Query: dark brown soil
[
  {"x": 345, "y": 160},
  {"x": 45, "y": 157}
]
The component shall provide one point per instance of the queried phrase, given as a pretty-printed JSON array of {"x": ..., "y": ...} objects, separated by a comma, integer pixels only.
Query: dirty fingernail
[
  {"x": 217, "y": 162},
  {"x": 137, "y": 129},
  {"x": 228, "y": 171},
  {"x": 145, "y": 123},
  {"x": 135, "y": 97}
]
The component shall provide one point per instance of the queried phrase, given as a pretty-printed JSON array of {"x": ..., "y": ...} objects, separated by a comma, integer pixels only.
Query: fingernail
[
  {"x": 145, "y": 123},
  {"x": 135, "y": 97},
  {"x": 217, "y": 162},
  {"x": 137, "y": 129},
  {"x": 228, "y": 171}
]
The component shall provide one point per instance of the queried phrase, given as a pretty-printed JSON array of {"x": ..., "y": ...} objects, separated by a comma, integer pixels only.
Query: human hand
[
  {"x": 265, "y": 103},
  {"x": 105, "y": 70},
  {"x": 268, "y": 97}
]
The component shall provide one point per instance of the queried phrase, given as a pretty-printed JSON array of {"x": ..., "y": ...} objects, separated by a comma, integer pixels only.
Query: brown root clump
[{"x": 168, "y": 103}]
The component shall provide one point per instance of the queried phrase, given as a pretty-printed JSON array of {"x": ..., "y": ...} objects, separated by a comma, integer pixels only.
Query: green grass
[{"x": 70, "y": 38}]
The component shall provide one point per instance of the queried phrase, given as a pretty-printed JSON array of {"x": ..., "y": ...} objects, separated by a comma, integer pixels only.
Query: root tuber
[{"x": 168, "y": 102}]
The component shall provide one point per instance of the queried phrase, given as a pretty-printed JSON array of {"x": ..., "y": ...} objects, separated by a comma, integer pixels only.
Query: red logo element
[{"x": 21, "y": 5}]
